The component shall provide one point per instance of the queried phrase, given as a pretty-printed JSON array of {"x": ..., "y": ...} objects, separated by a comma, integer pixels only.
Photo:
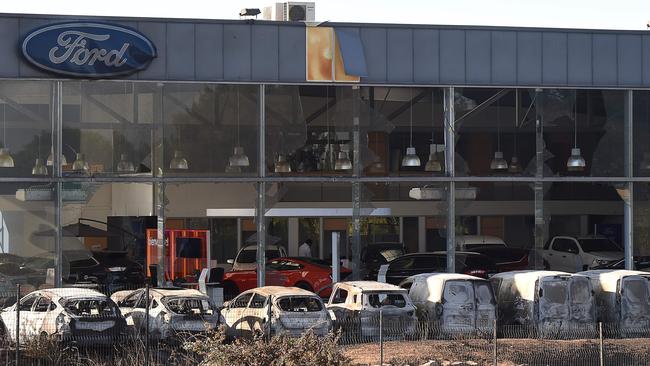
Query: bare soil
[{"x": 510, "y": 352}]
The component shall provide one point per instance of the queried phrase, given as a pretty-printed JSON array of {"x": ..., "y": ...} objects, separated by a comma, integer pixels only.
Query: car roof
[
  {"x": 370, "y": 286},
  {"x": 268, "y": 247},
  {"x": 442, "y": 277},
  {"x": 479, "y": 239},
  {"x": 161, "y": 292},
  {"x": 530, "y": 274},
  {"x": 71, "y": 292},
  {"x": 282, "y": 291}
]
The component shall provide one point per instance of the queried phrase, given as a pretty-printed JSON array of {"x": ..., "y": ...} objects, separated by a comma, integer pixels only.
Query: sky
[{"x": 588, "y": 14}]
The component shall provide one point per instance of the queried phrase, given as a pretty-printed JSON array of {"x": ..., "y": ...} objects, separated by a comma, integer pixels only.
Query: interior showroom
[{"x": 353, "y": 143}]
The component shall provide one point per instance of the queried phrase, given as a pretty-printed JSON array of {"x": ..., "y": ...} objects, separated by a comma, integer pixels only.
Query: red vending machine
[{"x": 186, "y": 253}]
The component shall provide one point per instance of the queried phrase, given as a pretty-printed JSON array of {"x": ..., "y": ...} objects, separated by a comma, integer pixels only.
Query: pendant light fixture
[
  {"x": 80, "y": 165},
  {"x": 515, "y": 166},
  {"x": 178, "y": 161},
  {"x": 282, "y": 165},
  {"x": 498, "y": 163},
  {"x": 50, "y": 159},
  {"x": 6, "y": 161},
  {"x": 433, "y": 165},
  {"x": 239, "y": 158},
  {"x": 39, "y": 168},
  {"x": 125, "y": 165},
  {"x": 411, "y": 158},
  {"x": 575, "y": 163}
]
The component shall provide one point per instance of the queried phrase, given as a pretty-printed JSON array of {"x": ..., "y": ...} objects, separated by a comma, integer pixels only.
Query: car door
[
  {"x": 40, "y": 311},
  {"x": 458, "y": 305},
  {"x": 27, "y": 315},
  {"x": 127, "y": 305},
  {"x": 234, "y": 314},
  {"x": 139, "y": 312},
  {"x": 337, "y": 304},
  {"x": 564, "y": 255}
]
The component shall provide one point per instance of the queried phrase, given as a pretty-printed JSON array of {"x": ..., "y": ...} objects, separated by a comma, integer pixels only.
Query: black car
[
  {"x": 640, "y": 264},
  {"x": 103, "y": 270},
  {"x": 377, "y": 254},
  {"x": 416, "y": 263}
]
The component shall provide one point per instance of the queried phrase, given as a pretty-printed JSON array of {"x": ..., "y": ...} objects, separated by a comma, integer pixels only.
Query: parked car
[
  {"x": 108, "y": 271},
  {"x": 641, "y": 263},
  {"x": 83, "y": 316},
  {"x": 355, "y": 306},
  {"x": 375, "y": 255},
  {"x": 507, "y": 259},
  {"x": 574, "y": 254},
  {"x": 451, "y": 303},
  {"x": 276, "y": 309},
  {"x": 416, "y": 263},
  {"x": 246, "y": 259},
  {"x": 171, "y": 311},
  {"x": 622, "y": 300},
  {"x": 310, "y": 274},
  {"x": 469, "y": 242},
  {"x": 545, "y": 303}
]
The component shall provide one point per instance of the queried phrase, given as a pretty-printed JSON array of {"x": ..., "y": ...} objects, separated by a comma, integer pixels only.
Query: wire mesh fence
[{"x": 147, "y": 326}]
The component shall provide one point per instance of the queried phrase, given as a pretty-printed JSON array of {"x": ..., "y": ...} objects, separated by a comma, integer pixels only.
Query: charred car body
[
  {"x": 355, "y": 307},
  {"x": 452, "y": 304},
  {"x": 548, "y": 303},
  {"x": 622, "y": 300},
  {"x": 171, "y": 311},
  {"x": 278, "y": 310},
  {"x": 82, "y": 316}
]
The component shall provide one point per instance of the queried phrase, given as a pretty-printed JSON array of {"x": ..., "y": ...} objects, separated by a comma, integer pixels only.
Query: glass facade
[{"x": 97, "y": 169}]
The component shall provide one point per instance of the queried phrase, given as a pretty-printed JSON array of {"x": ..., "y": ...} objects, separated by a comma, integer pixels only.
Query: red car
[{"x": 307, "y": 273}]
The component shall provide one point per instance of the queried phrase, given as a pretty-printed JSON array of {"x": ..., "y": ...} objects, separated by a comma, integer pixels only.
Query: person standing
[{"x": 304, "y": 250}]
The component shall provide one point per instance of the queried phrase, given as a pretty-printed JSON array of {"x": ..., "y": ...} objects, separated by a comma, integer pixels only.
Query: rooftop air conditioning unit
[{"x": 291, "y": 11}]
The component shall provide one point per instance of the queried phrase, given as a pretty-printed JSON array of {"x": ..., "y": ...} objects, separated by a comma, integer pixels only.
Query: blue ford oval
[{"x": 89, "y": 50}]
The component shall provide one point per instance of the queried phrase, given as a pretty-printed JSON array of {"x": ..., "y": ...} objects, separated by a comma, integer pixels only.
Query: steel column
[
  {"x": 261, "y": 193},
  {"x": 356, "y": 187},
  {"x": 538, "y": 186},
  {"x": 628, "y": 211},
  {"x": 57, "y": 144},
  {"x": 450, "y": 150}
]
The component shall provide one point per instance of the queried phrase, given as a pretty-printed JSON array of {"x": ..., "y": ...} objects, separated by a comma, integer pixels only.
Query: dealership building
[{"x": 220, "y": 134}]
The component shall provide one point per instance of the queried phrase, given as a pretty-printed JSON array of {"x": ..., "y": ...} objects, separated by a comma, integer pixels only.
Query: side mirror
[{"x": 230, "y": 261}]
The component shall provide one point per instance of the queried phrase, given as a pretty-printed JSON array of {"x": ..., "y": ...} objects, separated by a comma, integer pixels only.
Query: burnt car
[
  {"x": 469, "y": 263},
  {"x": 171, "y": 311},
  {"x": 375, "y": 255},
  {"x": 82, "y": 316},
  {"x": 641, "y": 263},
  {"x": 276, "y": 310},
  {"x": 452, "y": 304},
  {"x": 355, "y": 308}
]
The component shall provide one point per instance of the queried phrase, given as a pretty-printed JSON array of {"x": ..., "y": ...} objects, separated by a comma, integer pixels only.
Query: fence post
[
  {"x": 494, "y": 338},
  {"x": 17, "y": 324},
  {"x": 381, "y": 337},
  {"x": 602, "y": 351},
  {"x": 146, "y": 321},
  {"x": 268, "y": 320}
]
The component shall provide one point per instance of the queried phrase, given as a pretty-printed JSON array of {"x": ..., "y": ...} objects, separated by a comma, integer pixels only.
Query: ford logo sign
[{"x": 85, "y": 49}]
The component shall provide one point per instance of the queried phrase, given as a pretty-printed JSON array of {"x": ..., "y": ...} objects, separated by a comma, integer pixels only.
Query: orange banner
[{"x": 324, "y": 60}]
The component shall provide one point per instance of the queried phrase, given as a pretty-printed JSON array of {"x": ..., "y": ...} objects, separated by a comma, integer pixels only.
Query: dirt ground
[{"x": 510, "y": 352}]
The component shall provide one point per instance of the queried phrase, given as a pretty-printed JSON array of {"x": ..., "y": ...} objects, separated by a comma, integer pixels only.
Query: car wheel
[
  {"x": 304, "y": 286},
  {"x": 230, "y": 290}
]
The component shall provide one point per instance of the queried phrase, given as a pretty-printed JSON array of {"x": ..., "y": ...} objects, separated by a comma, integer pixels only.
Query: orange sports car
[{"x": 307, "y": 273}]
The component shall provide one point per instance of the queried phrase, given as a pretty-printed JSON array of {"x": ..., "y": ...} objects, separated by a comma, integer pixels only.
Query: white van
[
  {"x": 452, "y": 303},
  {"x": 545, "y": 303},
  {"x": 622, "y": 300}
]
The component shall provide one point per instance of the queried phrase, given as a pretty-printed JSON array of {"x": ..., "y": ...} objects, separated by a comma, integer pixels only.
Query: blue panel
[
  {"x": 504, "y": 58},
  {"x": 209, "y": 51},
  {"x": 452, "y": 56},
  {"x": 400, "y": 55},
  {"x": 26, "y": 26},
  {"x": 293, "y": 54},
  {"x": 630, "y": 60},
  {"x": 157, "y": 33},
  {"x": 237, "y": 51},
  {"x": 478, "y": 67},
  {"x": 9, "y": 55},
  {"x": 374, "y": 46},
  {"x": 354, "y": 60},
  {"x": 265, "y": 52},
  {"x": 180, "y": 63},
  {"x": 529, "y": 58},
  {"x": 646, "y": 60},
  {"x": 604, "y": 59},
  {"x": 580, "y": 61},
  {"x": 554, "y": 58},
  {"x": 425, "y": 56},
  {"x": 133, "y": 25}
]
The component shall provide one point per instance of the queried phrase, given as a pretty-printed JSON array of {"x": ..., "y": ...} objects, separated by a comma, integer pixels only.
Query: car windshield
[
  {"x": 580, "y": 290},
  {"x": 300, "y": 304},
  {"x": 89, "y": 307},
  {"x": 598, "y": 245},
  {"x": 458, "y": 292},
  {"x": 390, "y": 254},
  {"x": 250, "y": 255},
  {"x": 188, "y": 305},
  {"x": 378, "y": 299},
  {"x": 636, "y": 290},
  {"x": 555, "y": 291}
]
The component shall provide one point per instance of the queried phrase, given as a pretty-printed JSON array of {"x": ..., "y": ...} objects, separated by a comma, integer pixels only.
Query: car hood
[{"x": 607, "y": 255}]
